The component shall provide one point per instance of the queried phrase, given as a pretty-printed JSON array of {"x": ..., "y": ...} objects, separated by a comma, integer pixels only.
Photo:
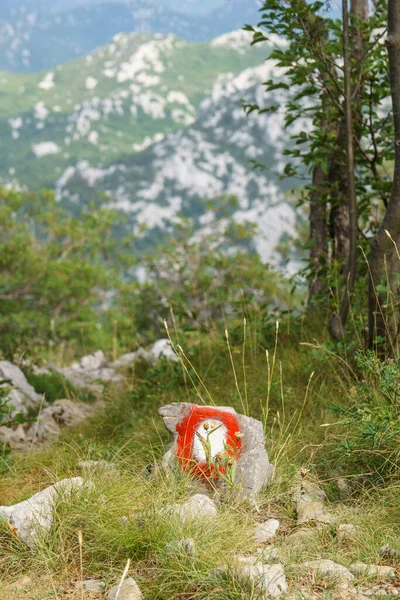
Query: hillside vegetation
[
  {"x": 148, "y": 276},
  {"x": 317, "y": 424}
]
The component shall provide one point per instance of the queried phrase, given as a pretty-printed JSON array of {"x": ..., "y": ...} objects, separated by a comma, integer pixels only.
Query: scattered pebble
[
  {"x": 129, "y": 590},
  {"x": 361, "y": 568},
  {"x": 346, "y": 531},
  {"x": 265, "y": 532},
  {"x": 90, "y": 586},
  {"x": 267, "y": 578},
  {"x": 302, "y": 535},
  {"x": 313, "y": 511},
  {"x": 327, "y": 567}
]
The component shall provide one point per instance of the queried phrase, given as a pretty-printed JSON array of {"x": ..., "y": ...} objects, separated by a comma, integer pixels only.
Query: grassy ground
[{"x": 301, "y": 431}]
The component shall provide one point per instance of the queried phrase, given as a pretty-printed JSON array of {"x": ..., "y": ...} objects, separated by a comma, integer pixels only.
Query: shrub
[
  {"x": 369, "y": 430},
  {"x": 52, "y": 385}
]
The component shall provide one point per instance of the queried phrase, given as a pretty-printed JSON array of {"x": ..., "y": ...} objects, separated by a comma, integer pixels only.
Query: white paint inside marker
[{"x": 217, "y": 439}]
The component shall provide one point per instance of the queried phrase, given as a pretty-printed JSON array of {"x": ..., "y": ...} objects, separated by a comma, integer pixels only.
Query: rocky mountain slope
[
  {"x": 156, "y": 123},
  {"x": 41, "y": 34}
]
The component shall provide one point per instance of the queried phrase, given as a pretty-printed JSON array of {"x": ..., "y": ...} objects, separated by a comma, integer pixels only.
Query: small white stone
[
  {"x": 198, "y": 506},
  {"x": 129, "y": 591},
  {"x": 328, "y": 567},
  {"x": 302, "y": 535},
  {"x": 361, "y": 568},
  {"x": 346, "y": 531},
  {"x": 265, "y": 532},
  {"x": 91, "y": 586},
  {"x": 267, "y": 578},
  {"x": 313, "y": 511}
]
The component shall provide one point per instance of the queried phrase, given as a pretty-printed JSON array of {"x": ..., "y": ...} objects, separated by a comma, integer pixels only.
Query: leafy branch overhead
[{"x": 309, "y": 46}]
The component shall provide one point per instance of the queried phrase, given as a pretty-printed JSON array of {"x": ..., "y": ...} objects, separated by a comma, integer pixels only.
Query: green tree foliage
[
  {"x": 54, "y": 271},
  {"x": 312, "y": 83},
  {"x": 206, "y": 277}
]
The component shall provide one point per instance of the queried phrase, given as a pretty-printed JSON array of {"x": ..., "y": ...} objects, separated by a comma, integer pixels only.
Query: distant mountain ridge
[
  {"x": 156, "y": 123},
  {"x": 40, "y": 35}
]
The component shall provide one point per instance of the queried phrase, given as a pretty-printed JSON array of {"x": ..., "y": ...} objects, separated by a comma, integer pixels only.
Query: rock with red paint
[{"x": 216, "y": 444}]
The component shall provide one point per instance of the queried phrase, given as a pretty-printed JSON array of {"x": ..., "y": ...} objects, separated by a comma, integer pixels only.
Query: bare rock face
[
  {"x": 27, "y": 519},
  {"x": 22, "y": 397},
  {"x": 237, "y": 437}
]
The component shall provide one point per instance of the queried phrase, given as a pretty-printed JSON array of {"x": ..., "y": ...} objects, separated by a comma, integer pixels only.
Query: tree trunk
[
  {"x": 344, "y": 213},
  {"x": 384, "y": 261},
  {"x": 318, "y": 236}
]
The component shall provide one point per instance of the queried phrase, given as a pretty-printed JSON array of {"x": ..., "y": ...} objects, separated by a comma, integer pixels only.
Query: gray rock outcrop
[
  {"x": 30, "y": 518},
  {"x": 253, "y": 469},
  {"x": 22, "y": 397}
]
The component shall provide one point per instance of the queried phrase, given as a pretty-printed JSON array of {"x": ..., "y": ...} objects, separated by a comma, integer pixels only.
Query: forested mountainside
[{"x": 156, "y": 123}]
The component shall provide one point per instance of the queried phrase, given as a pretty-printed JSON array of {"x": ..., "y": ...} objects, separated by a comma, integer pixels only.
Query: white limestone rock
[
  {"x": 23, "y": 396},
  {"x": 325, "y": 567},
  {"x": 198, "y": 506},
  {"x": 129, "y": 590},
  {"x": 265, "y": 532},
  {"x": 308, "y": 491},
  {"x": 267, "y": 578},
  {"x": 253, "y": 469},
  {"x": 163, "y": 349},
  {"x": 89, "y": 370},
  {"x": 313, "y": 511},
  {"x": 13, "y": 438},
  {"x": 346, "y": 531},
  {"x": 360, "y": 568},
  {"x": 35, "y": 515},
  {"x": 45, "y": 429},
  {"x": 67, "y": 412}
]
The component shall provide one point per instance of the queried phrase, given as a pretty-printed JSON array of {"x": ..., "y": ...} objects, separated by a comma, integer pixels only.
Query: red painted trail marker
[
  {"x": 208, "y": 440},
  {"x": 215, "y": 443}
]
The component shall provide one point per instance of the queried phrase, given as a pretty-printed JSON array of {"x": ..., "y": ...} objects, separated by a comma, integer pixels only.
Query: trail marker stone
[{"x": 214, "y": 443}]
